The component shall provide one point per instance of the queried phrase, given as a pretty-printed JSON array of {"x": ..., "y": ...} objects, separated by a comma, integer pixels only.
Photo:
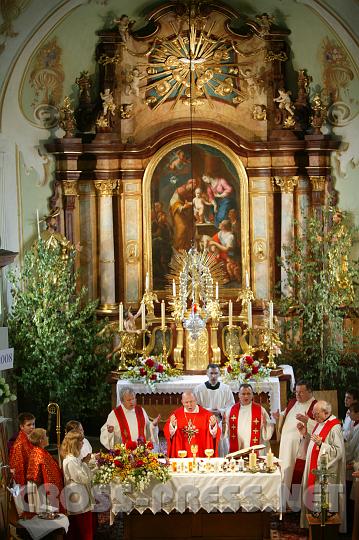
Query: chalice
[
  {"x": 194, "y": 450},
  {"x": 209, "y": 453},
  {"x": 182, "y": 454}
]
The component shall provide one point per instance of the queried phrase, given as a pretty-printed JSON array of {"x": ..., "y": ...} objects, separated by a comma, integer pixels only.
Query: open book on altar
[{"x": 246, "y": 451}]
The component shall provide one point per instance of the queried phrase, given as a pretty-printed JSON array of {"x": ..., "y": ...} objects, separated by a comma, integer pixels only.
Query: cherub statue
[
  {"x": 108, "y": 104},
  {"x": 133, "y": 82},
  {"x": 124, "y": 24},
  {"x": 284, "y": 100},
  {"x": 259, "y": 112}
]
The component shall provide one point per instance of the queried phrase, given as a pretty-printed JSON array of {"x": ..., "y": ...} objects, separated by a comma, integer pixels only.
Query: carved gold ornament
[
  {"x": 285, "y": 183},
  {"x": 105, "y": 187},
  {"x": 69, "y": 187},
  {"x": 318, "y": 182}
]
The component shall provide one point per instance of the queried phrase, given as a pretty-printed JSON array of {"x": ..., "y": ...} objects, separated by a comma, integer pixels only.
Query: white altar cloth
[
  {"x": 270, "y": 386},
  {"x": 221, "y": 492}
]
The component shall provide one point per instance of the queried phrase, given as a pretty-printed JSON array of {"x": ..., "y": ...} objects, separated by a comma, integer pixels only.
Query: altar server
[
  {"x": 20, "y": 450},
  {"x": 247, "y": 422},
  {"x": 129, "y": 422},
  {"x": 327, "y": 439},
  {"x": 191, "y": 428},
  {"x": 216, "y": 397},
  {"x": 292, "y": 450}
]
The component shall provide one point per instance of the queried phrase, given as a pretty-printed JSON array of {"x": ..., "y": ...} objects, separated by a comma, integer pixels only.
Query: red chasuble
[
  {"x": 43, "y": 469},
  {"x": 124, "y": 427},
  {"x": 255, "y": 428},
  {"x": 192, "y": 428},
  {"x": 19, "y": 457},
  {"x": 329, "y": 424}
]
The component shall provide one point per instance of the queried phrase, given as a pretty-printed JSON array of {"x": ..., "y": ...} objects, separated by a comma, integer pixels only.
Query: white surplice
[
  {"x": 334, "y": 448},
  {"x": 110, "y": 439},
  {"x": 291, "y": 442},
  {"x": 244, "y": 427}
]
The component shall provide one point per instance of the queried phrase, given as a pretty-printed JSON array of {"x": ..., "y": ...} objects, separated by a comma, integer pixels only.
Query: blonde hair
[
  {"x": 37, "y": 435},
  {"x": 71, "y": 444}
]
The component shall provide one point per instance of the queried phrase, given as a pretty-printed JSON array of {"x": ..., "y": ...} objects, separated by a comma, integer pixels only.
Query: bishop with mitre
[{"x": 191, "y": 428}]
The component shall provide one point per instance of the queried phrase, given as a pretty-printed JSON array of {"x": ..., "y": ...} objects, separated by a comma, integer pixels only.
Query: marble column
[{"x": 105, "y": 189}]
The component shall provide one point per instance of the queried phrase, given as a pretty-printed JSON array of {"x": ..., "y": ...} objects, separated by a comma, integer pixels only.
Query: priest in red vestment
[
  {"x": 20, "y": 450},
  {"x": 191, "y": 425},
  {"x": 43, "y": 474},
  {"x": 129, "y": 422}
]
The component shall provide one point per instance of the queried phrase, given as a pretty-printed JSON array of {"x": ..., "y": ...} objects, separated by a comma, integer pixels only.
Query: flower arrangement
[
  {"x": 149, "y": 370},
  {"x": 245, "y": 368},
  {"x": 5, "y": 393},
  {"x": 133, "y": 463}
]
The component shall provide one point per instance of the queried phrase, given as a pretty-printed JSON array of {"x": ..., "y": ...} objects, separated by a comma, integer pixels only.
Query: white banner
[{"x": 6, "y": 359}]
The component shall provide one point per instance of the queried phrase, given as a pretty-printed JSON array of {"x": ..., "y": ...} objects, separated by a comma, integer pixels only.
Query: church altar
[
  {"x": 211, "y": 505},
  {"x": 270, "y": 386}
]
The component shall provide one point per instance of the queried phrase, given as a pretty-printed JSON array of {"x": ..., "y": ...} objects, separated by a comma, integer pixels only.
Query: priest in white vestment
[
  {"x": 216, "y": 397},
  {"x": 327, "y": 439},
  {"x": 247, "y": 422},
  {"x": 351, "y": 396},
  {"x": 292, "y": 450},
  {"x": 129, "y": 422}
]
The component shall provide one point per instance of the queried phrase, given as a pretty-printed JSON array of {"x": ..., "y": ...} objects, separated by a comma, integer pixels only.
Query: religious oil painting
[{"x": 195, "y": 200}]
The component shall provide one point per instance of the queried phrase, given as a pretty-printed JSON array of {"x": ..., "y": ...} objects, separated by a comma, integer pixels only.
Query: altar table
[{"x": 201, "y": 505}]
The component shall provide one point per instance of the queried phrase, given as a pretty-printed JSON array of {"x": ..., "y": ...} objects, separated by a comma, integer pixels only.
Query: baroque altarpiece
[{"x": 194, "y": 139}]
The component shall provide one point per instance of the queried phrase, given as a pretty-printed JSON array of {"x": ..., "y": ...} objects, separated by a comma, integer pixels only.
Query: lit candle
[
  {"x": 252, "y": 460},
  {"x": 120, "y": 317},
  {"x": 230, "y": 313},
  {"x": 147, "y": 283},
  {"x": 249, "y": 314},
  {"x": 173, "y": 287},
  {"x": 270, "y": 459},
  {"x": 38, "y": 224},
  {"x": 271, "y": 315},
  {"x": 217, "y": 290},
  {"x": 143, "y": 316},
  {"x": 247, "y": 280},
  {"x": 163, "y": 311}
]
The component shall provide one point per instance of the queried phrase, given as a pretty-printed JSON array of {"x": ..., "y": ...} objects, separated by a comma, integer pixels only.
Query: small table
[{"x": 329, "y": 532}]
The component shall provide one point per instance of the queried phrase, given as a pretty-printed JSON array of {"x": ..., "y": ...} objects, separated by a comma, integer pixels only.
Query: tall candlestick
[
  {"x": 230, "y": 313},
  {"x": 38, "y": 224},
  {"x": 271, "y": 315},
  {"x": 173, "y": 287},
  {"x": 249, "y": 314},
  {"x": 217, "y": 291},
  {"x": 120, "y": 317},
  {"x": 143, "y": 316},
  {"x": 269, "y": 459},
  {"x": 163, "y": 311},
  {"x": 247, "y": 280},
  {"x": 147, "y": 282}
]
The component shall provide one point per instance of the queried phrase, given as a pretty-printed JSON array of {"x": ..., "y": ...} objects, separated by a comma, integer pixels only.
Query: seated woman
[
  {"x": 44, "y": 478},
  {"x": 223, "y": 244},
  {"x": 78, "y": 496}
]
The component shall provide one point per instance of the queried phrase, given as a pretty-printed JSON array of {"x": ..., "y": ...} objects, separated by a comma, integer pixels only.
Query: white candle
[
  {"x": 230, "y": 313},
  {"x": 217, "y": 291},
  {"x": 270, "y": 459},
  {"x": 143, "y": 316},
  {"x": 173, "y": 287},
  {"x": 249, "y": 314},
  {"x": 163, "y": 311},
  {"x": 252, "y": 460},
  {"x": 120, "y": 317},
  {"x": 38, "y": 224},
  {"x": 247, "y": 280},
  {"x": 147, "y": 283},
  {"x": 241, "y": 464},
  {"x": 271, "y": 315}
]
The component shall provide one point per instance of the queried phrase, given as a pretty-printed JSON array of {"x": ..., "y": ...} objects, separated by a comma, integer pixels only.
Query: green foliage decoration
[
  {"x": 59, "y": 354},
  {"x": 319, "y": 292}
]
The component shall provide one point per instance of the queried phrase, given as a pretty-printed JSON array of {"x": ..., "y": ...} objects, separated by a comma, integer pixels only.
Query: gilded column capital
[
  {"x": 105, "y": 188},
  {"x": 69, "y": 187},
  {"x": 318, "y": 182},
  {"x": 285, "y": 183}
]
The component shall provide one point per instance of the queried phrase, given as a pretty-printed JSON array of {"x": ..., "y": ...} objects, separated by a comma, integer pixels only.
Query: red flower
[
  {"x": 249, "y": 360},
  {"x": 153, "y": 377},
  {"x": 229, "y": 369},
  {"x": 159, "y": 368},
  {"x": 117, "y": 463},
  {"x": 149, "y": 362},
  {"x": 255, "y": 369},
  {"x": 118, "y": 452},
  {"x": 139, "y": 463},
  {"x": 248, "y": 375},
  {"x": 131, "y": 445},
  {"x": 143, "y": 371},
  {"x": 149, "y": 445}
]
